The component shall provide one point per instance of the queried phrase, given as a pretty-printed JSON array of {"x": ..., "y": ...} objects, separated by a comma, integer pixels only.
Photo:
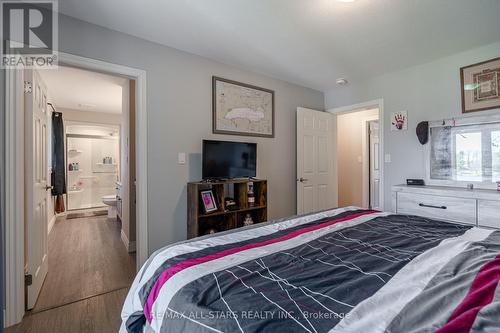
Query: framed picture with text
[
  {"x": 242, "y": 109},
  {"x": 480, "y": 84}
]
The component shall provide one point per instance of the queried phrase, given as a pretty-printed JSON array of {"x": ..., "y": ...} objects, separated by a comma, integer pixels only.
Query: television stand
[{"x": 200, "y": 223}]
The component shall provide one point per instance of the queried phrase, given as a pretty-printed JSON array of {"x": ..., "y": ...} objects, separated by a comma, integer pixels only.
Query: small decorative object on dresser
[
  {"x": 415, "y": 182},
  {"x": 480, "y": 85},
  {"x": 242, "y": 109}
]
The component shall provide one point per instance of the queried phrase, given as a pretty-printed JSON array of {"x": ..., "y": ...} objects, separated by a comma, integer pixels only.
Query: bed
[{"x": 342, "y": 270}]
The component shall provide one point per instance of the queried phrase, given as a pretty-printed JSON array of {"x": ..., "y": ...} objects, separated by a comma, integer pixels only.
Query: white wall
[
  {"x": 90, "y": 116},
  {"x": 428, "y": 92},
  {"x": 179, "y": 105}
]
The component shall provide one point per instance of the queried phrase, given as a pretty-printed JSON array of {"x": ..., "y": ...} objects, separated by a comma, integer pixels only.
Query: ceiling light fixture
[
  {"x": 346, "y": 0},
  {"x": 342, "y": 81}
]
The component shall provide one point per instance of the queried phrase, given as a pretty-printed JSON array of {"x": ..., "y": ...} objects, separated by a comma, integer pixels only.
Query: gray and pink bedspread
[{"x": 343, "y": 270}]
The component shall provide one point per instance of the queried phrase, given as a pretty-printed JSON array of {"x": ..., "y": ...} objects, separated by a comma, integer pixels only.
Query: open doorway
[
  {"x": 359, "y": 155},
  {"x": 87, "y": 156},
  {"x": 353, "y": 155},
  {"x": 16, "y": 88}
]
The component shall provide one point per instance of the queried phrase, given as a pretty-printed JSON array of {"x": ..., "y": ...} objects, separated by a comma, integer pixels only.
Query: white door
[
  {"x": 316, "y": 151},
  {"x": 374, "y": 166},
  {"x": 36, "y": 185}
]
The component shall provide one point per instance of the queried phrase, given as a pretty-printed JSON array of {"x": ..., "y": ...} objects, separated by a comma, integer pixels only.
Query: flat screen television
[{"x": 226, "y": 159}]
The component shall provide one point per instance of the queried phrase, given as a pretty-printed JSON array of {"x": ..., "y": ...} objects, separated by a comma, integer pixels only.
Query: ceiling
[
  {"x": 77, "y": 89},
  {"x": 308, "y": 42}
]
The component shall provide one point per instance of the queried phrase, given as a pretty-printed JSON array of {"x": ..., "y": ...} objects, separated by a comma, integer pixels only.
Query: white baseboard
[
  {"x": 130, "y": 246},
  {"x": 51, "y": 224}
]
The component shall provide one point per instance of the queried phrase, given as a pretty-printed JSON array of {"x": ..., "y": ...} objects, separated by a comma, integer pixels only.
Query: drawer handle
[{"x": 431, "y": 206}]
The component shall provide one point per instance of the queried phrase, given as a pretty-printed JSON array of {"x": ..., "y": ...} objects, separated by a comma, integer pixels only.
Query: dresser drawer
[
  {"x": 437, "y": 207},
  {"x": 488, "y": 213}
]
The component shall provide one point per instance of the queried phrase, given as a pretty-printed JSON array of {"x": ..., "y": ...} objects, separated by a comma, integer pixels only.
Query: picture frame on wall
[
  {"x": 242, "y": 109},
  {"x": 208, "y": 200},
  {"x": 399, "y": 121},
  {"x": 480, "y": 85}
]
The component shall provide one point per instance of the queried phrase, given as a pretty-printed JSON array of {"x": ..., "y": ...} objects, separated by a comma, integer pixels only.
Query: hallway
[{"x": 89, "y": 274}]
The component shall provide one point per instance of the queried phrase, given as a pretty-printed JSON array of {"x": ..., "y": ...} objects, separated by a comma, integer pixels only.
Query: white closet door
[{"x": 316, "y": 150}]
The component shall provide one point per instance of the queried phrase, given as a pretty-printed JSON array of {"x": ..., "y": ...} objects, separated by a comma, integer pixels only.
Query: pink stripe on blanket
[
  {"x": 171, "y": 271},
  {"x": 480, "y": 294}
]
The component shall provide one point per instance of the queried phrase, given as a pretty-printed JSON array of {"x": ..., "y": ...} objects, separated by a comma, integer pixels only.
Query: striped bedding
[{"x": 343, "y": 270}]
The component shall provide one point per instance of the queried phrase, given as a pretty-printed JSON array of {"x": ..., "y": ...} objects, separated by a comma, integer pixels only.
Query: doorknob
[
  {"x": 48, "y": 187},
  {"x": 302, "y": 179}
]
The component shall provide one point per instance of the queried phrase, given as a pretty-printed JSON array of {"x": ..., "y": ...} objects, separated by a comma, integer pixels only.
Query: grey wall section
[
  {"x": 429, "y": 92},
  {"x": 179, "y": 111}
]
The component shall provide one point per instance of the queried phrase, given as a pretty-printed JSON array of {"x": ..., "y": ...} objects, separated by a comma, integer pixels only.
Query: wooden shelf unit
[{"x": 199, "y": 223}]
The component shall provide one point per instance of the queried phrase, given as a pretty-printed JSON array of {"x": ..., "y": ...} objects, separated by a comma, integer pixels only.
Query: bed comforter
[{"x": 343, "y": 270}]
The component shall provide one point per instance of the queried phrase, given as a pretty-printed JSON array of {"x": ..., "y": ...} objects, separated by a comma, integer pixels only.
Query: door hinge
[
  {"x": 28, "y": 88},
  {"x": 28, "y": 279}
]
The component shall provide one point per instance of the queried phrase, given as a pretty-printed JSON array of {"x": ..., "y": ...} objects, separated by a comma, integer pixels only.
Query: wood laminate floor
[
  {"x": 86, "y": 257},
  {"x": 89, "y": 274},
  {"x": 99, "y": 314}
]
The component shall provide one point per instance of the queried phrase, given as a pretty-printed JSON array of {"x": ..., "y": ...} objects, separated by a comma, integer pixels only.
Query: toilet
[{"x": 110, "y": 201}]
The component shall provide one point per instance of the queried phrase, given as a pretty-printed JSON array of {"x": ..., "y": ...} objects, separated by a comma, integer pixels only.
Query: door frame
[
  {"x": 367, "y": 176},
  {"x": 14, "y": 174},
  {"x": 373, "y": 104}
]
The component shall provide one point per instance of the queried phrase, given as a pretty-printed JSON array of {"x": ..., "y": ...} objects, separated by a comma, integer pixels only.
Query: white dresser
[{"x": 477, "y": 207}]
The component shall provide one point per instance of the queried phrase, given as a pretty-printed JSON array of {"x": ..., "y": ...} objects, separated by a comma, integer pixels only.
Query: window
[
  {"x": 468, "y": 156},
  {"x": 465, "y": 154}
]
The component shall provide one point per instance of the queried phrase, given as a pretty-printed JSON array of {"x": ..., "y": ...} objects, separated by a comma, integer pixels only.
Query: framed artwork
[
  {"x": 207, "y": 197},
  {"x": 399, "y": 121},
  {"x": 480, "y": 84},
  {"x": 242, "y": 109}
]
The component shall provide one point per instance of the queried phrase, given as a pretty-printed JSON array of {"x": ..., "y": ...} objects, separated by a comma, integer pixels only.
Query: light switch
[
  {"x": 181, "y": 158},
  {"x": 387, "y": 158},
  {"x": 360, "y": 159}
]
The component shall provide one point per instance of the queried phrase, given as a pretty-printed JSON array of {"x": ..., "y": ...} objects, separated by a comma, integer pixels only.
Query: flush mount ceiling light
[
  {"x": 342, "y": 81},
  {"x": 346, "y": 0}
]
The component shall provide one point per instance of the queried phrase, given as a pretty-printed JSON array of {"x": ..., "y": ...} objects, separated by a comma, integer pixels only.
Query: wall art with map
[
  {"x": 481, "y": 86},
  {"x": 242, "y": 109}
]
